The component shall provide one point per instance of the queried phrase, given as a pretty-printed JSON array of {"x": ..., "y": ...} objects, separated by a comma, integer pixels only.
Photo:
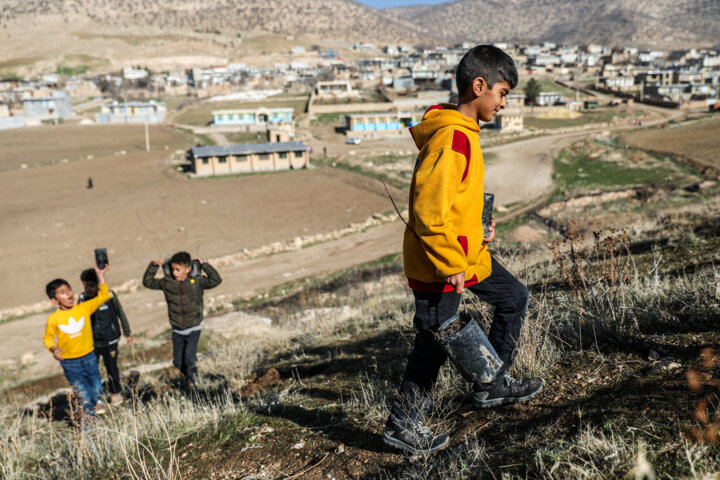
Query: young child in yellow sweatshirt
[
  {"x": 445, "y": 251},
  {"x": 69, "y": 337}
]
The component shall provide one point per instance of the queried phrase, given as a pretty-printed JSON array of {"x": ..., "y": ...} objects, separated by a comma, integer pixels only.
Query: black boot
[
  {"x": 505, "y": 389},
  {"x": 413, "y": 437},
  {"x": 405, "y": 429},
  {"x": 469, "y": 349}
]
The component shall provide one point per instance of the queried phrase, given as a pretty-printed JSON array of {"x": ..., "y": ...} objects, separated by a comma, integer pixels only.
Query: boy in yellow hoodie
[
  {"x": 445, "y": 250},
  {"x": 74, "y": 349}
]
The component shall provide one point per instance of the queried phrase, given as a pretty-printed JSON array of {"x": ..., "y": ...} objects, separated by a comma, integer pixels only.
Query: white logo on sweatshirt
[{"x": 73, "y": 327}]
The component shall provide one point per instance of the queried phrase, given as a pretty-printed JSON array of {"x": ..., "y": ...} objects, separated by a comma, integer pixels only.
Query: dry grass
[{"x": 357, "y": 324}]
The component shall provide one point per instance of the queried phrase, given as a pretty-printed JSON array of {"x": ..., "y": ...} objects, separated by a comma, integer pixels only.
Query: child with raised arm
[
  {"x": 106, "y": 323},
  {"x": 184, "y": 297},
  {"x": 69, "y": 337},
  {"x": 445, "y": 251}
]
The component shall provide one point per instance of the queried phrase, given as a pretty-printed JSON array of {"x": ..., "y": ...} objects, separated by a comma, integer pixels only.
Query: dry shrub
[
  {"x": 703, "y": 381},
  {"x": 598, "y": 278}
]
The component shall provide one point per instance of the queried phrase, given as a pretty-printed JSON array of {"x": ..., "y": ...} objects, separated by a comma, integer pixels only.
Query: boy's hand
[
  {"x": 57, "y": 354},
  {"x": 129, "y": 340},
  {"x": 457, "y": 281},
  {"x": 159, "y": 262},
  {"x": 101, "y": 273},
  {"x": 492, "y": 231},
  {"x": 200, "y": 260}
]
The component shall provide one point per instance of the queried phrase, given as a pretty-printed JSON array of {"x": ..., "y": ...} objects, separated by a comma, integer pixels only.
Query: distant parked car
[{"x": 352, "y": 141}]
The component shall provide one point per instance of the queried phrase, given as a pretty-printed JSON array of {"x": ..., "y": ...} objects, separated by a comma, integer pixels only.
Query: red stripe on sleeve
[{"x": 461, "y": 145}]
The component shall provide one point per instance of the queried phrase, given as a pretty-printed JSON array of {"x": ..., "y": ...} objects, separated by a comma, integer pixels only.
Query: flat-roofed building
[
  {"x": 379, "y": 121},
  {"x": 514, "y": 100},
  {"x": 56, "y": 105},
  {"x": 253, "y": 117},
  {"x": 132, "y": 112},
  {"x": 249, "y": 157},
  {"x": 549, "y": 98},
  {"x": 335, "y": 88},
  {"x": 510, "y": 120}
]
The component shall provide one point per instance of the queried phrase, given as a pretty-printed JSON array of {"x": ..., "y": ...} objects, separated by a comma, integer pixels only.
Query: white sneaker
[
  {"x": 100, "y": 408},
  {"x": 116, "y": 399}
]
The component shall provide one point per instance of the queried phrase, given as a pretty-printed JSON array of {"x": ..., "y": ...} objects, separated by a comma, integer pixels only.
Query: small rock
[
  {"x": 298, "y": 445},
  {"x": 670, "y": 366},
  {"x": 340, "y": 449}
]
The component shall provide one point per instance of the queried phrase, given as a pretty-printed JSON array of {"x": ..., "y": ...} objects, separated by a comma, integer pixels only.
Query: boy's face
[
  {"x": 64, "y": 297},
  {"x": 179, "y": 271},
  {"x": 91, "y": 289},
  {"x": 490, "y": 100}
]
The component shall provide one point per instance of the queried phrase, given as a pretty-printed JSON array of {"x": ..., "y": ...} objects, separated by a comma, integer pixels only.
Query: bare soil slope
[
  {"x": 697, "y": 140},
  {"x": 140, "y": 208}
]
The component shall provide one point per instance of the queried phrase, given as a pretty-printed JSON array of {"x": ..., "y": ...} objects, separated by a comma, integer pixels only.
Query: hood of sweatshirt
[{"x": 437, "y": 117}]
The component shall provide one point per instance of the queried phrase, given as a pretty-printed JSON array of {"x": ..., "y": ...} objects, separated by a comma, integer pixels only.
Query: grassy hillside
[{"x": 622, "y": 304}]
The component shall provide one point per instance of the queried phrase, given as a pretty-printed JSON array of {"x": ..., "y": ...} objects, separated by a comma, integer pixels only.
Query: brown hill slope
[
  {"x": 659, "y": 23},
  {"x": 98, "y": 36},
  {"x": 336, "y": 19}
]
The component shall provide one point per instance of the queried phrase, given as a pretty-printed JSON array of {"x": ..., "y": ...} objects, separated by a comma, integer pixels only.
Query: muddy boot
[
  {"x": 407, "y": 431},
  {"x": 116, "y": 399},
  {"x": 505, "y": 389},
  {"x": 469, "y": 349},
  {"x": 414, "y": 438}
]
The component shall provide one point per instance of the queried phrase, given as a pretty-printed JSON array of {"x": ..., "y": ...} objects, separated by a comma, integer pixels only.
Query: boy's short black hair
[
  {"x": 181, "y": 258},
  {"x": 89, "y": 275},
  {"x": 52, "y": 287},
  {"x": 488, "y": 62}
]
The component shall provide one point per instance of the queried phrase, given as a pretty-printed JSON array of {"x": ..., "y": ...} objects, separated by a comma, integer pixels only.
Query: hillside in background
[
  {"x": 102, "y": 35},
  {"x": 664, "y": 24},
  {"x": 332, "y": 19}
]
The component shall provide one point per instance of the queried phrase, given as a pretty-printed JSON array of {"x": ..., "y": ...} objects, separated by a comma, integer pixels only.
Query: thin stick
[{"x": 295, "y": 475}]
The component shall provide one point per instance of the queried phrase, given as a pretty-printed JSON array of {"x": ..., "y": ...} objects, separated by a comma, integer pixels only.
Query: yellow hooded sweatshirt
[
  {"x": 73, "y": 328},
  {"x": 445, "y": 233}
]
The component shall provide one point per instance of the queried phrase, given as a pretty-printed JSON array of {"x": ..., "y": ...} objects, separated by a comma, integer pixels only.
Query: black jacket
[
  {"x": 105, "y": 326},
  {"x": 184, "y": 299}
]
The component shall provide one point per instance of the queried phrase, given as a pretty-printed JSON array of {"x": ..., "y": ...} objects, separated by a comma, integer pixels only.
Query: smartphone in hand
[
  {"x": 487, "y": 213},
  {"x": 167, "y": 269},
  {"x": 101, "y": 258},
  {"x": 196, "y": 269}
]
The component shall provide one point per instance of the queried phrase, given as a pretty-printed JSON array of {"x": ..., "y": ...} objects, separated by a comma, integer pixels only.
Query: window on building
[
  {"x": 205, "y": 161},
  {"x": 241, "y": 158},
  {"x": 283, "y": 154},
  {"x": 222, "y": 159},
  {"x": 264, "y": 156},
  {"x": 298, "y": 154}
]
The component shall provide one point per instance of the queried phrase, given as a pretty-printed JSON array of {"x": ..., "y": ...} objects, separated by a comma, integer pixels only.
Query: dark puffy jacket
[
  {"x": 184, "y": 299},
  {"x": 105, "y": 327}
]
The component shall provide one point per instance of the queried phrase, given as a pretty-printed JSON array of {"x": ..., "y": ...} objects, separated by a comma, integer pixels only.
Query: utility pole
[{"x": 147, "y": 136}]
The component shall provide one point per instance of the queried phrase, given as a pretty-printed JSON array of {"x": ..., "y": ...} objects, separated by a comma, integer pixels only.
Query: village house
[
  {"x": 8, "y": 119},
  {"x": 132, "y": 112},
  {"x": 55, "y": 106},
  {"x": 334, "y": 89},
  {"x": 509, "y": 121},
  {"x": 379, "y": 121},
  {"x": 249, "y": 157},
  {"x": 254, "y": 119},
  {"x": 549, "y": 98}
]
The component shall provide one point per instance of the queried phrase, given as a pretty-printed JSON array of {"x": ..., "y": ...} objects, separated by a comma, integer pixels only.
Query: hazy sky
[{"x": 397, "y": 3}]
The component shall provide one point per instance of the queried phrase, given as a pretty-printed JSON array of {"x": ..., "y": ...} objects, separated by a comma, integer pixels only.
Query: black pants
[
  {"x": 501, "y": 289},
  {"x": 109, "y": 356},
  {"x": 185, "y": 349}
]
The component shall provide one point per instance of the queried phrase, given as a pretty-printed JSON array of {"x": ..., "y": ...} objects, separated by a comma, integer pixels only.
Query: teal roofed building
[{"x": 260, "y": 117}]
